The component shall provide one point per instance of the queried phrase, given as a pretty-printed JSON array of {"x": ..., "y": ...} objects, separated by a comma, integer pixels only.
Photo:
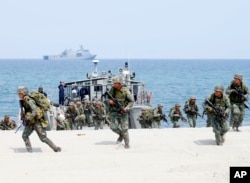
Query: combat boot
[
  {"x": 28, "y": 146},
  {"x": 127, "y": 146},
  {"x": 52, "y": 145},
  {"x": 120, "y": 138}
]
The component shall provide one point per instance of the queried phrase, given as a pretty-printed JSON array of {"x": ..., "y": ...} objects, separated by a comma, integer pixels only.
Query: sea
[{"x": 170, "y": 80}]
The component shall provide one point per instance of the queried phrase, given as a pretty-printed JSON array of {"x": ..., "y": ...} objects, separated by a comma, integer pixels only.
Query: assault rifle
[
  {"x": 99, "y": 116},
  {"x": 117, "y": 103},
  {"x": 241, "y": 94},
  {"x": 217, "y": 111},
  {"x": 163, "y": 117},
  {"x": 4, "y": 126},
  {"x": 22, "y": 116},
  {"x": 183, "y": 119},
  {"x": 195, "y": 112}
]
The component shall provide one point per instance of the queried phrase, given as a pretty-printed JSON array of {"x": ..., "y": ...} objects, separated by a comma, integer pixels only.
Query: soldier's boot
[
  {"x": 53, "y": 146},
  {"x": 126, "y": 139},
  {"x": 218, "y": 139},
  {"x": 28, "y": 146},
  {"x": 120, "y": 138}
]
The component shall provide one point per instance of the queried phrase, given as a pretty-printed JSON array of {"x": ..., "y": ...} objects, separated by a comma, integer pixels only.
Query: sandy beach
[{"x": 156, "y": 155}]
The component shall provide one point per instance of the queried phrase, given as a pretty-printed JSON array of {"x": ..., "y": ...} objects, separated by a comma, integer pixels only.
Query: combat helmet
[
  {"x": 117, "y": 79},
  {"x": 23, "y": 89},
  {"x": 192, "y": 98},
  {"x": 177, "y": 105},
  {"x": 238, "y": 76},
  {"x": 219, "y": 88},
  {"x": 159, "y": 105}
]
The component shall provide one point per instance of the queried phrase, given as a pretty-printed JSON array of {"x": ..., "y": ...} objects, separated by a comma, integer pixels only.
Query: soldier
[
  {"x": 7, "y": 123},
  {"x": 191, "y": 109},
  {"x": 218, "y": 105},
  {"x": 158, "y": 116},
  {"x": 32, "y": 120},
  {"x": 206, "y": 112},
  {"x": 99, "y": 115},
  {"x": 88, "y": 113},
  {"x": 71, "y": 114},
  {"x": 175, "y": 115},
  {"x": 81, "y": 116},
  {"x": 144, "y": 119},
  {"x": 238, "y": 94},
  {"x": 119, "y": 113}
]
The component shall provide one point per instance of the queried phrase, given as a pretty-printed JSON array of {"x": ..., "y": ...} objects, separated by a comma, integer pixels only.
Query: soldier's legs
[
  {"x": 175, "y": 124},
  {"x": 115, "y": 121},
  {"x": 124, "y": 127},
  {"x": 26, "y": 133},
  {"x": 43, "y": 137},
  {"x": 219, "y": 131},
  {"x": 190, "y": 122}
]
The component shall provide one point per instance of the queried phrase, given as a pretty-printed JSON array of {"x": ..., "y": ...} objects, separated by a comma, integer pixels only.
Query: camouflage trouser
[
  {"x": 237, "y": 115},
  {"x": 220, "y": 128},
  {"x": 156, "y": 124},
  {"x": 119, "y": 125},
  {"x": 191, "y": 120},
  {"x": 98, "y": 124},
  {"x": 41, "y": 134},
  {"x": 209, "y": 120}
]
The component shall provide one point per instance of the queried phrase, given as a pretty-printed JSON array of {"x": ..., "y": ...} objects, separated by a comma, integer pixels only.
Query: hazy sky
[{"x": 126, "y": 28}]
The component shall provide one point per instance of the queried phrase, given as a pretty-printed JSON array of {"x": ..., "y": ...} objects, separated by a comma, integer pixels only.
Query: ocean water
[{"x": 171, "y": 81}]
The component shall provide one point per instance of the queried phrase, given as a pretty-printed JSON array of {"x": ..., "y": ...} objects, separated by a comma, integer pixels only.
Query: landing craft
[{"x": 97, "y": 84}]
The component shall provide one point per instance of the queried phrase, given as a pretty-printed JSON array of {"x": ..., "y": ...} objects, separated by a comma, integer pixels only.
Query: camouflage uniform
[
  {"x": 237, "y": 101},
  {"x": 158, "y": 115},
  {"x": 99, "y": 115},
  {"x": 191, "y": 109},
  {"x": 175, "y": 115},
  {"x": 219, "y": 123},
  {"x": 88, "y": 113},
  {"x": 32, "y": 121},
  {"x": 119, "y": 119},
  {"x": 144, "y": 119},
  {"x": 7, "y": 123},
  {"x": 71, "y": 114},
  {"x": 81, "y": 116}
]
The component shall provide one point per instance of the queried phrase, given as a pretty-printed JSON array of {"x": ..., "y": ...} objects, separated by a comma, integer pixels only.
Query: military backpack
[{"x": 41, "y": 100}]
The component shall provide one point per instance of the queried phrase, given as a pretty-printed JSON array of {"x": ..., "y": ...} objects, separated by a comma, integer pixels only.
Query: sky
[{"x": 162, "y": 29}]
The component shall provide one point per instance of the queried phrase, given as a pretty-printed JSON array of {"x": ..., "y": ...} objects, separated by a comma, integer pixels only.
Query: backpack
[
  {"x": 150, "y": 114},
  {"x": 170, "y": 111},
  {"x": 40, "y": 100}
]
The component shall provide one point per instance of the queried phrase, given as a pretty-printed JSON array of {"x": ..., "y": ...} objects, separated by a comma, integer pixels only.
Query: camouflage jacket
[{"x": 124, "y": 97}]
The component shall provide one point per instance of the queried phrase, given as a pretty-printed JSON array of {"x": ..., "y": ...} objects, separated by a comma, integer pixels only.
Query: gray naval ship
[
  {"x": 68, "y": 54},
  {"x": 97, "y": 84}
]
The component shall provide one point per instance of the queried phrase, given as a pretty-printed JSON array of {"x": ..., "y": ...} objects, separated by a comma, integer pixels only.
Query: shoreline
[{"x": 156, "y": 155}]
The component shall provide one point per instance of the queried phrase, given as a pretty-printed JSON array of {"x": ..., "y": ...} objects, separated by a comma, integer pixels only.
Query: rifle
[
  {"x": 195, "y": 112},
  {"x": 117, "y": 103},
  {"x": 22, "y": 116},
  {"x": 5, "y": 126},
  {"x": 99, "y": 116},
  {"x": 241, "y": 94},
  {"x": 163, "y": 117},
  {"x": 183, "y": 119},
  {"x": 218, "y": 111}
]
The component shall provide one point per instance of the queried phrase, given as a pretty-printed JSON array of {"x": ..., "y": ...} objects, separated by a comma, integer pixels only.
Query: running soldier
[
  {"x": 121, "y": 101},
  {"x": 192, "y": 111},
  {"x": 32, "y": 120},
  {"x": 238, "y": 94},
  {"x": 218, "y": 106}
]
